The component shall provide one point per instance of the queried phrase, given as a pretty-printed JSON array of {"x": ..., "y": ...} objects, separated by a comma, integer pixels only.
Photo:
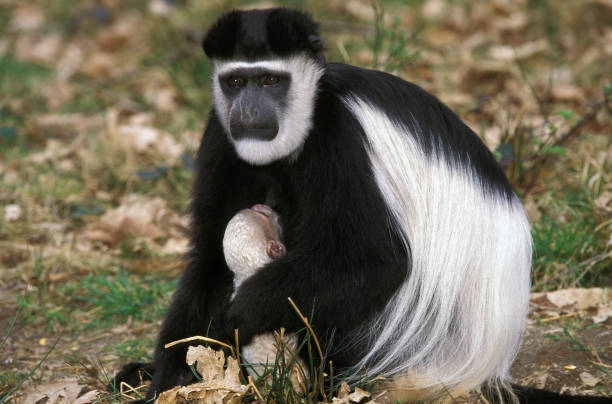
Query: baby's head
[{"x": 252, "y": 240}]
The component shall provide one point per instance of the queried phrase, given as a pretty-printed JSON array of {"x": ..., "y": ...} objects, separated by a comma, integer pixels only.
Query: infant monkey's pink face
[{"x": 267, "y": 219}]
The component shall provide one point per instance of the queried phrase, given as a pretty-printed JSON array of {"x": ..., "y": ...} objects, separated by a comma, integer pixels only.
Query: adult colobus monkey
[{"x": 403, "y": 234}]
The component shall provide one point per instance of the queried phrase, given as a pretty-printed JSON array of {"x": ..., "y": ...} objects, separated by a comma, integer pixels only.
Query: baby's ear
[{"x": 275, "y": 249}]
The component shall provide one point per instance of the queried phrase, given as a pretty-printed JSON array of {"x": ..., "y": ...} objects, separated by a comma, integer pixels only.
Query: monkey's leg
[{"x": 262, "y": 354}]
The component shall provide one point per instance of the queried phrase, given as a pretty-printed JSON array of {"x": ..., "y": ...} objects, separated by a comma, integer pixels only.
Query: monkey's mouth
[
  {"x": 264, "y": 210},
  {"x": 257, "y": 133}
]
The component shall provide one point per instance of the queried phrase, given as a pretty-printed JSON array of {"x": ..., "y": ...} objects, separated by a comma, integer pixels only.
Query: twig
[
  {"x": 252, "y": 384},
  {"x": 18, "y": 386},
  {"x": 559, "y": 317},
  {"x": 596, "y": 355},
  {"x": 597, "y": 258},
  {"x": 199, "y": 338},
  {"x": 307, "y": 324},
  {"x": 10, "y": 328},
  {"x": 331, "y": 378},
  {"x": 238, "y": 352},
  {"x": 316, "y": 340},
  {"x": 128, "y": 388},
  {"x": 542, "y": 159}
]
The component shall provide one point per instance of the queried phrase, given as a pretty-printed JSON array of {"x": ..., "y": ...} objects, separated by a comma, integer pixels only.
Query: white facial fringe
[
  {"x": 296, "y": 120},
  {"x": 458, "y": 319}
]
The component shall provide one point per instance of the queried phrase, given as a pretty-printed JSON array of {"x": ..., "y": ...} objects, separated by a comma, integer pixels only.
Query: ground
[{"x": 102, "y": 105}]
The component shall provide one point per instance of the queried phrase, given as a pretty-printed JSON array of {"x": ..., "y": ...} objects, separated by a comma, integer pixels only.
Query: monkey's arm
[
  {"x": 342, "y": 295},
  {"x": 341, "y": 253},
  {"x": 203, "y": 293}
]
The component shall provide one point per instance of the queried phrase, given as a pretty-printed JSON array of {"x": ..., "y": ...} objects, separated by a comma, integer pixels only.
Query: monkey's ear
[
  {"x": 317, "y": 45},
  {"x": 275, "y": 249},
  {"x": 316, "y": 42}
]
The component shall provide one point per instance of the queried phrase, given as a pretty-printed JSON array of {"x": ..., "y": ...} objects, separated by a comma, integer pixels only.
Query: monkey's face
[
  {"x": 257, "y": 98},
  {"x": 266, "y": 66},
  {"x": 266, "y": 106}
]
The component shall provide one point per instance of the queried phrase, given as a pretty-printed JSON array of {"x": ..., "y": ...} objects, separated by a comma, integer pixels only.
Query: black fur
[
  {"x": 261, "y": 34},
  {"x": 439, "y": 129},
  {"x": 335, "y": 222}
]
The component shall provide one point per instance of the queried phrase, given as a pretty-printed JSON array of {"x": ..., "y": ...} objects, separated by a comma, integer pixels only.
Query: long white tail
[{"x": 457, "y": 320}]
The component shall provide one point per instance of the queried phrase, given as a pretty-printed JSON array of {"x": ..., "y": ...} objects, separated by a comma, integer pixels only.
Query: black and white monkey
[{"x": 403, "y": 235}]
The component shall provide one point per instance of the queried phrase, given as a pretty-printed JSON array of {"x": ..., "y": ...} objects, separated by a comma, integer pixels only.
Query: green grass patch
[
  {"x": 98, "y": 300},
  {"x": 17, "y": 75},
  {"x": 133, "y": 350},
  {"x": 9, "y": 379},
  {"x": 568, "y": 249},
  {"x": 117, "y": 297}
]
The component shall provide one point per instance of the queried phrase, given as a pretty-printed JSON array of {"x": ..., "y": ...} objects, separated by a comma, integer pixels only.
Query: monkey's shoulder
[{"x": 403, "y": 102}]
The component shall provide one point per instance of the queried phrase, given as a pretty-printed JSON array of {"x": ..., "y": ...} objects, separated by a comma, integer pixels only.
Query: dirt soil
[
  {"x": 549, "y": 358},
  {"x": 557, "y": 364}
]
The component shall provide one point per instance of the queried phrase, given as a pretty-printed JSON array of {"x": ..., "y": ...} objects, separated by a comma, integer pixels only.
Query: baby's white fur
[{"x": 244, "y": 247}]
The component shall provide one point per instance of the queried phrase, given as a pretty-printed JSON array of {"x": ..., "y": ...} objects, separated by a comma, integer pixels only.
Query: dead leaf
[
  {"x": 603, "y": 201},
  {"x": 64, "y": 391},
  {"x": 344, "y": 390},
  {"x": 493, "y": 136},
  {"x": 532, "y": 209},
  {"x": 88, "y": 397},
  {"x": 604, "y": 3},
  {"x": 57, "y": 93},
  {"x": 509, "y": 53},
  {"x": 358, "y": 395},
  {"x": 141, "y": 217},
  {"x": 27, "y": 17},
  {"x": 209, "y": 363},
  {"x": 64, "y": 121},
  {"x": 135, "y": 216},
  {"x": 141, "y": 138},
  {"x": 69, "y": 63},
  {"x": 588, "y": 379},
  {"x": 581, "y": 299},
  {"x": 160, "y": 7},
  {"x": 12, "y": 212},
  {"x": 43, "y": 50},
  {"x": 514, "y": 22},
  {"x": 10, "y": 177},
  {"x": 359, "y": 9},
  {"x": 164, "y": 99},
  {"x": 176, "y": 246},
  {"x": 99, "y": 65},
  {"x": 118, "y": 35},
  {"x": 55, "y": 151},
  {"x": 219, "y": 385},
  {"x": 382, "y": 397},
  {"x": 567, "y": 92},
  {"x": 433, "y": 9},
  {"x": 604, "y": 312}
]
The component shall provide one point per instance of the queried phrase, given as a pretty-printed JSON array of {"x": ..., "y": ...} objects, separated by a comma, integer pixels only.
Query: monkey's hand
[{"x": 261, "y": 302}]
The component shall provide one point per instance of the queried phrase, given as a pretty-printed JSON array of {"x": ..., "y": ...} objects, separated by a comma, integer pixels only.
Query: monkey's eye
[
  {"x": 270, "y": 80},
  {"x": 235, "y": 82}
]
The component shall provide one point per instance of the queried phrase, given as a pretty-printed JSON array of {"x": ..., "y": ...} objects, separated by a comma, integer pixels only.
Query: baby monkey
[{"x": 252, "y": 239}]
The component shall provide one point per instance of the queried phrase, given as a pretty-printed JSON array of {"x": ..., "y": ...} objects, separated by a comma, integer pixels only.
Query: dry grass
[{"x": 102, "y": 100}]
